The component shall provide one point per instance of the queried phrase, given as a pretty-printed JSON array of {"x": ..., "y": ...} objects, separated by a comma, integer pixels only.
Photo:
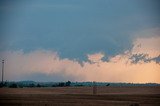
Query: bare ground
[{"x": 80, "y": 96}]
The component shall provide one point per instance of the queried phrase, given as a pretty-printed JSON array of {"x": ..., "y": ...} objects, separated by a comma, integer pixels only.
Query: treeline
[{"x": 32, "y": 84}]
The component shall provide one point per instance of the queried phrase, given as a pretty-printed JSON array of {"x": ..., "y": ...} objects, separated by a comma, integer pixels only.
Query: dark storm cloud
[{"x": 74, "y": 28}]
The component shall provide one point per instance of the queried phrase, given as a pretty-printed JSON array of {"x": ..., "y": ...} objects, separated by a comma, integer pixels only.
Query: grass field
[{"x": 80, "y": 96}]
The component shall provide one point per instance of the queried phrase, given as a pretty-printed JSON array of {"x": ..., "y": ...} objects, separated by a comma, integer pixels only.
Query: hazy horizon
[{"x": 80, "y": 40}]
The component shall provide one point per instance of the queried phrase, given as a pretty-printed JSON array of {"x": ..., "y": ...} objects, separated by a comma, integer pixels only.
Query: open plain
[{"x": 81, "y": 96}]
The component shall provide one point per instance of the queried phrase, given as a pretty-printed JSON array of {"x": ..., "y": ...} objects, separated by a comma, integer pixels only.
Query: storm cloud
[{"x": 119, "y": 68}]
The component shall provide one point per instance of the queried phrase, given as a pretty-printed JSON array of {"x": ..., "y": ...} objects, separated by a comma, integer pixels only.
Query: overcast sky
[{"x": 58, "y": 40}]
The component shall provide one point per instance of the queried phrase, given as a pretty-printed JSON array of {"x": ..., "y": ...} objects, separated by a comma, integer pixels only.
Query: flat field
[{"x": 81, "y": 96}]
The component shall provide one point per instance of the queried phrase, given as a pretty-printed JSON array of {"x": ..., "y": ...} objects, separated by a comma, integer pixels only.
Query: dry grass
[{"x": 80, "y": 96}]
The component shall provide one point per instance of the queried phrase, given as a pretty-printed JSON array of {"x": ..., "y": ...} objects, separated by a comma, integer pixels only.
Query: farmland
[{"x": 78, "y": 96}]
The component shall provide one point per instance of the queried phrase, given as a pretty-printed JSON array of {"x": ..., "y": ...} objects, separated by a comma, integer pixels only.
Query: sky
[{"x": 80, "y": 40}]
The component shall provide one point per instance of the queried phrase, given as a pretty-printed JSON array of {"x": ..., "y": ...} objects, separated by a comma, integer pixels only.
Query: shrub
[{"x": 107, "y": 84}]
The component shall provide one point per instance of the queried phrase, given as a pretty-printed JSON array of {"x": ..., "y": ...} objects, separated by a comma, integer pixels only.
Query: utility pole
[
  {"x": 94, "y": 88},
  {"x": 2, "y": 70}
]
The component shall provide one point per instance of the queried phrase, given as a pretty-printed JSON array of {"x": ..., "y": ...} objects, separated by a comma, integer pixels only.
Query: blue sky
[
  {"x": 75, "y": 28},
  {"x": 80, "y": 40}
]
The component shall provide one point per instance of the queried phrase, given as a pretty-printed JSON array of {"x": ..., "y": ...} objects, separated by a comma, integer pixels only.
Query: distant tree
[
  {"x": 55, "y": 85},
  {"x": 5, "y": 83},
  {"x": 61, "y": 84},
  {"x": 14, "y": 85},
  {"x": 68, "y": 83},
  {"x": 20, "y": 86},
  {"x": 38, "y": 85},
  {"x": 31, "y": 85},
  {"x": 1, "y": 85},
  {"x": 79, "y": 85}
]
